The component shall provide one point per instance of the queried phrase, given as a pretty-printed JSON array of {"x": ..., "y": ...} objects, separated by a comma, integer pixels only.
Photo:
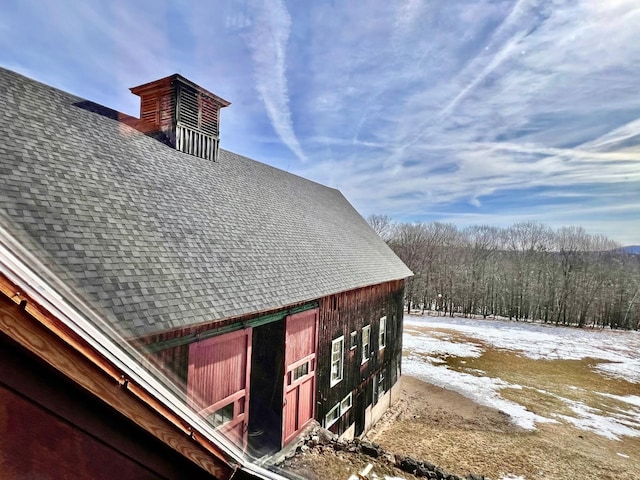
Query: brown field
[
  {"x": 445, "y": 428},
  {"x": 461, "y": 436}
]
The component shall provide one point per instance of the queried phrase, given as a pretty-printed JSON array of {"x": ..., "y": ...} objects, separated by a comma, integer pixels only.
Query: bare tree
[
  {"x": 383, "y": 225},
  {"x": 526, "y": 272}
]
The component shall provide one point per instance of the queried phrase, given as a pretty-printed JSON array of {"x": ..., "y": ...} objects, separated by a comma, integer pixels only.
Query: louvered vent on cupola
[{"x": 183, "y": 114}]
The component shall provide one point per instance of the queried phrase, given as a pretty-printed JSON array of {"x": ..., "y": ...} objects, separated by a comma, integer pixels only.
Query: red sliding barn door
[
  {"x": 218, "y": 382},
  {"x": 300, "y": 372}
]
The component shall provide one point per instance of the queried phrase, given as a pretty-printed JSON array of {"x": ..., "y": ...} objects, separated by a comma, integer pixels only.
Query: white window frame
[
  {"x": 378, "y": 387},
  {"x": 353, "y": 344},
  {"x": 339, "y": 409},
  {"x": 336, "y": 410},
  {"x": 346, "y": 404},
  {"x": 382, "y": 334},
  {"x": 366, "y": 352},
  {"x": 336, "y": 377}
]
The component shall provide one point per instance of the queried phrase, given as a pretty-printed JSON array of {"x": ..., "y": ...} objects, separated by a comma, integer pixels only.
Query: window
[
  {"x": 382, "y": 336},
  {"x": 338, "y": 410},
  {"x": 337, "y": 360},
  {"x": 354, "y": 340},
  {"x": 300, "y": 371},
  {"x": 366, "y": 341},
  {"x": 381, "y": 384},
  {"x": 346, "y": 404},
  {"x": 221, "y": 416},
  {"x": 331, "y": 417},
  {"x": 378, "y": 387}
]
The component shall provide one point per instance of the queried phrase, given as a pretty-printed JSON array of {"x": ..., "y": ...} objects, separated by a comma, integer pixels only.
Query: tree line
[{"x": 527, "y": 272}]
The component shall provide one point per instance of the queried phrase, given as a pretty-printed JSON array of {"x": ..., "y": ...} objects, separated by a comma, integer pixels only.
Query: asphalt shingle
[{"x": 141, "y": 231}]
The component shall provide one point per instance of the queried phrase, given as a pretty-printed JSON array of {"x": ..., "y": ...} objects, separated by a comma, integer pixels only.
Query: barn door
[
  {"x": 299, "y": 372},
  {"x": 218, "y": 382}
]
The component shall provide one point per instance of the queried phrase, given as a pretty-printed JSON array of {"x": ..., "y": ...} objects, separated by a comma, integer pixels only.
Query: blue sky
[{"x": 467, "y": 111}]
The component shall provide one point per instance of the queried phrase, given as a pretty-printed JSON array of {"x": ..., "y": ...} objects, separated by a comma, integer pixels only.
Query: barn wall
[
  {"x": 169, "y": 351},
  {"x": 342, "y": 314},
  {"x": 52, "y": 429},
  {"x": 339, "y": 314},
  {"x": 174, "y": 362}
]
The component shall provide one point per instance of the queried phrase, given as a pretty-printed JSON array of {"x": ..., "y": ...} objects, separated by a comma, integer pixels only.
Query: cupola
[{"x": 184, "y": 114}]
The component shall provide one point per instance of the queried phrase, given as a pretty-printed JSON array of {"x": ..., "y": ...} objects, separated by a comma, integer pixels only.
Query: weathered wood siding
[{"x": 347, "y": 312}]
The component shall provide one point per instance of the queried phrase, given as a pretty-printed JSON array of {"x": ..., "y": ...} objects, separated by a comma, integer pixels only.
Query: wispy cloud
[
  {"x": 483, "y": 109},
  {"x": 500, "y": 46},
  {"x": 520, "y": 96},
  {"x": 268, "y": 38}
]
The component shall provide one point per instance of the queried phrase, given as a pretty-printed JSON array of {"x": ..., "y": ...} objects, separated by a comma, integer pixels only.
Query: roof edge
[{"x": 73, "y": 332}]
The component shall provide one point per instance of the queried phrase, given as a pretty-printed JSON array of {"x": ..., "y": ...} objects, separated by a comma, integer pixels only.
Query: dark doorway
[
  {"x": 265, "y": 405},
  {"x": 360, "y": 407}
]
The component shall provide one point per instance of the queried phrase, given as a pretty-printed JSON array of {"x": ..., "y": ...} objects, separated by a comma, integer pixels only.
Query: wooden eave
[
  {"x": 166, "y": 82},
  {"x": 30, "y": 325}
]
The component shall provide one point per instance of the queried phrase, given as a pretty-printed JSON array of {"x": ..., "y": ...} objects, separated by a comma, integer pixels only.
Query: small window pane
[
  {"x": 366, "y": 341},
  {"x": 354, "y": 340},
  {"x": 332, "y": 416},
  {"x": 346, "y": 404},
  {"x": 221, "y": 416},
  {"x": 300, "y": 371},
  {"x": 382, "y": 340},
  {"x": 337, "y": 360}
]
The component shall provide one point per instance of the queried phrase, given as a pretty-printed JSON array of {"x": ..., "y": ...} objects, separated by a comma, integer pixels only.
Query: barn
[{"x": 259, "y": 299}]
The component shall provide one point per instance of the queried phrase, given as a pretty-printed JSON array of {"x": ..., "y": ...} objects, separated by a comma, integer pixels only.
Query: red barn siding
[
  {"x": 219, "y": 373},
  {"x": 299, "y": 394},
  {"x": 174, "y": 363},
  {"x": 300, "y": 340},
  {"x": 221, "y": 358}
]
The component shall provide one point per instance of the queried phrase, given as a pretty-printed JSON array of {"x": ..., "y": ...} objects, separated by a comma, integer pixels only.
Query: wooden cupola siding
[{"x": 185, "y": 115}]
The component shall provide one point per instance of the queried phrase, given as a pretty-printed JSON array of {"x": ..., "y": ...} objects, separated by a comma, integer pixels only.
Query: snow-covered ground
[{"x": 425, "y": 351}]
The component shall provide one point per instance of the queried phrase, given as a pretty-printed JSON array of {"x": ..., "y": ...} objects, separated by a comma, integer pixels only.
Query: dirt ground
[{"x": 440, "y": 426}]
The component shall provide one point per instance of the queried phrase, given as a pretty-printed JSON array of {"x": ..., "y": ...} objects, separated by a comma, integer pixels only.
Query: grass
[{"x": 557, "y": 451}]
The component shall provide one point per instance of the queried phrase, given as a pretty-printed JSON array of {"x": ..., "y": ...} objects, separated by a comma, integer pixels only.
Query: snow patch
[
  {"x": 631, "y": 399},
  {"x": 628, "y": 369},
  {"x": 439, "y": 347},
  {"x": 600, "y": 422},
  {"x": 425, "y": 354},
  {"x": 483, "y": 390},
  {"x": 539, "y": 341}
]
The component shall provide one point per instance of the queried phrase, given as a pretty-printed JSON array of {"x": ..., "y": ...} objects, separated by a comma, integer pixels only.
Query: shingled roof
[{"x": 156, "y": 239}]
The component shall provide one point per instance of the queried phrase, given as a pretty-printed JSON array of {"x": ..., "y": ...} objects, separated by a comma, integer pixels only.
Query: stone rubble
[{"x": 320, "y": 440}]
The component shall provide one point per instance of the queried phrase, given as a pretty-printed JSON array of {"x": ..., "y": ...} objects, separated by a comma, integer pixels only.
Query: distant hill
[{"x": 632, "y": 249}]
